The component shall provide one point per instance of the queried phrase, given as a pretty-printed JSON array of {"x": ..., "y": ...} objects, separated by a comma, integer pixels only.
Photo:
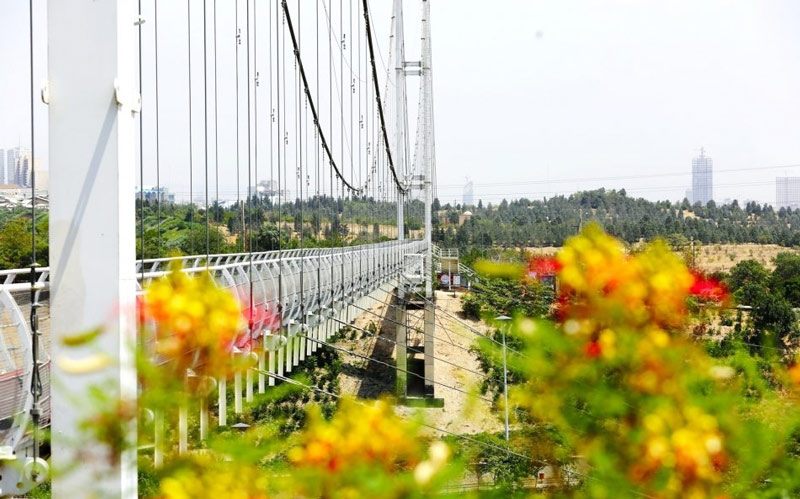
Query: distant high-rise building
[
  {"x": 24, "y": 168},
  {"x": 468, "y": 199},
  {"x": 11, "y": 166},
  {"x": 3, "y": 167},
  {"x": 787, "y": 192},
  {"x": 702, "y": 179}
]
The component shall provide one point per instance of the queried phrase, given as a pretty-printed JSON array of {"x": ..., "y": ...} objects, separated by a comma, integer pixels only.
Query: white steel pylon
[{"x": 427, "y": 149}]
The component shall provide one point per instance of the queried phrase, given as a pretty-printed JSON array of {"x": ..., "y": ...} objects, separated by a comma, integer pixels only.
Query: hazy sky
[{"x": 531, "y": 97}]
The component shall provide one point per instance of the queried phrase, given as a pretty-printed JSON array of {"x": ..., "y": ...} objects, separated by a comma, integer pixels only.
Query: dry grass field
[{"x": 716, "y": 257}]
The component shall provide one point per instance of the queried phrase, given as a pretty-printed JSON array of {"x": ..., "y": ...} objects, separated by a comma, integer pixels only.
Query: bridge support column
[
  {"x": 402, "y": 342},
  {"x": 93, "y": 104},
  {"x": 429, "y": 329}
]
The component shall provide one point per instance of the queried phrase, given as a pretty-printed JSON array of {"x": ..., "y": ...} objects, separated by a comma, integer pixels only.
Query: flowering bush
[
  {"x": 365, "y": 447},
  {"x": 196, "y": 322},
  {"x": 208, "y": 478},
  {"x": 639, "y": 404}
]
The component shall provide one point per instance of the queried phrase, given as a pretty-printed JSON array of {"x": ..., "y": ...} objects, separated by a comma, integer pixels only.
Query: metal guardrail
[{"x": 285, "y": 285}]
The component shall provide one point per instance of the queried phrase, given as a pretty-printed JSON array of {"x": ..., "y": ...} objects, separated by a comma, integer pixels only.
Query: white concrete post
[
  {"x": 271, "y": 367},
  {"x": 262, "y": 353},
  {"x": 280, "y": 360},
  {"x": 183, "y": 429},
  {"x": 237, "y": 392},
  {"x": 289, "y": 347},
  {"x": 158, "y": 438},
  {"x": 92, "y": 49},
  {"x": 249, "y": 388},
  {"x": 203, "y": 416},
  {"x": 222, "y": 415}
]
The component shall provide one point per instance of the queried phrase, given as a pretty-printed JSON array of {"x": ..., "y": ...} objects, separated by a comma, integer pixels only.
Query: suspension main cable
[
  {"x": 400, "y": 186},
  {"x": 311, "y": 102}
]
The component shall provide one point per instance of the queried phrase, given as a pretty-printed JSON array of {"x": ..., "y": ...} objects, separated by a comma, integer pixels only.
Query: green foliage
[
  {"x": 507, "y": 297},
  {"x": 15, "y": 241},
  {"x": 549, "y": 221},
  {"x": 786, "y": 277},
  {"x": 747, "y": 272},
  {"x": 471, "y": 306}
]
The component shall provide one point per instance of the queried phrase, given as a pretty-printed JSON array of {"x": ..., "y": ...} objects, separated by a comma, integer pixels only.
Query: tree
[
  {"x": 267, "y": 238},
  {"x": 772, "y": 314},
  {"x": 15, "y": 244},
  {"x": 748, "y": 272},
  {"x": 786, "y": 277}
]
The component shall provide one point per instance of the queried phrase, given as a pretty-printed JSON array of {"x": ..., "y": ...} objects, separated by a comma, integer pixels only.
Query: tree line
[{"x": 550, "y": 221}]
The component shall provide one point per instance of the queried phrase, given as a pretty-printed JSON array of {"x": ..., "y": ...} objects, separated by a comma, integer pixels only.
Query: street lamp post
[{"x": 505, "y": 319}]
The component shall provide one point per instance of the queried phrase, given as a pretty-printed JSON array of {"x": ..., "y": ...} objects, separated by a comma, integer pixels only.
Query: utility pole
[{"x": 93, "y": 103}]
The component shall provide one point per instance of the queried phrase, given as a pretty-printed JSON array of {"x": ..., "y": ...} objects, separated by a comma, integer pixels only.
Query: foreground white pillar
[{"x": 92, "y": 48}]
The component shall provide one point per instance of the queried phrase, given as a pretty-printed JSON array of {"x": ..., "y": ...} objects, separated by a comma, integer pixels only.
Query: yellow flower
[{"x": 196, "y": 321}]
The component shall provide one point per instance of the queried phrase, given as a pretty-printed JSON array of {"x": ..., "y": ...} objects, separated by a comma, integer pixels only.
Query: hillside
[{"x": 548, "y": 222}]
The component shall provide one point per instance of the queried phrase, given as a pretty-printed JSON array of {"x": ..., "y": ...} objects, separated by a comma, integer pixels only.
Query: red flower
[
  {"x": 141, "y": 312},
  {"x": 543, "y": 266},
  {"x": 593, "y": 349},
  {"x": 708, "y": 288}
]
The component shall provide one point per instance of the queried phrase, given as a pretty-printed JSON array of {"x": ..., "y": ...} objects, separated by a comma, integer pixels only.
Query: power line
[
  {"x": 487, "y": 445},
  {"x": 412, "y": 328},
  {"x": 415, "y": 350},
  {"x": 372, "y": 359},
  {"x": 623, "y": 177}
]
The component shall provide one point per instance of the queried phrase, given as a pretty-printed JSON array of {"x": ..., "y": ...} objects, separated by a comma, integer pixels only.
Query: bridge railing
[{"x": 311, "y": 286}]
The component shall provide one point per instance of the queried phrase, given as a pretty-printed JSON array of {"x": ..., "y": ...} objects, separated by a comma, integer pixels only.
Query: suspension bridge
[{"x": 293, "y": 103}]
